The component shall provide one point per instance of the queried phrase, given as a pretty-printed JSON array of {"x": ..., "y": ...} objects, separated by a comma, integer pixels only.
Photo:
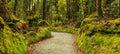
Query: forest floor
[{"x": 59, "y": 43}]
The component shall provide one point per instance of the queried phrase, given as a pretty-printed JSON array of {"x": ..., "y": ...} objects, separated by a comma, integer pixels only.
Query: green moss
[
  {"x": 11, "y": 43},
  {"x": 99, "y": 43},
  {"x": 33, "y": 36},
  {"x": 46, "y": 32},
  {"x": 89, "y": 20},
  {"x": 100, "y": 37},
  {"x": 64, "y": 29}
]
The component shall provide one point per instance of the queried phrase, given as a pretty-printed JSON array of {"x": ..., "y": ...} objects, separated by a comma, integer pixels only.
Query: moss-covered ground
[{"x": 99, "y": 36}]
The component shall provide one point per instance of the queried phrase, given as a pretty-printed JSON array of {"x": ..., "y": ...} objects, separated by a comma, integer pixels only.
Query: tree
[
  {"x": 44, "y": 10},
  {"x": 15, "y": 6},
  {"x": 68, "y": 9},
  {"x": 5, "y": 12},
  {"x": 99, "y": 9}
]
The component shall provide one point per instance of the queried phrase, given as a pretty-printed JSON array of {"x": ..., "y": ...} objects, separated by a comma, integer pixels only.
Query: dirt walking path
[{"x": 60, "y": 43}]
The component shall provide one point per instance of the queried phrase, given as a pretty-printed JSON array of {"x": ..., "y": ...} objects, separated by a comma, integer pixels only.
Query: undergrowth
[
  {"x": 11, "y": 43},
  {"x": 14, "y": 42},
  {"x": 99, "y": 37},
  {"x": 38, "y": 30},
  {"x": 40, "y": 34},
  {"x": 99, "y": 44},
  {"x": 64, "y": 29}
]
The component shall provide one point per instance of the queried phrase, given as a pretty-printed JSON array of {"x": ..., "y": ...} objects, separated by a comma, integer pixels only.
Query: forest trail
[{"x": 60, "y": 43}]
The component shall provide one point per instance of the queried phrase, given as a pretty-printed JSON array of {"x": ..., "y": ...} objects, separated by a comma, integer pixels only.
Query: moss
[
  {"x": 35, "y": 36},
  {"x": 93, "y": 15},
  {"x": 32, "y": 37},
  {"x": 99, "y": 43},
  {"x": 89, "y": 20},
  {"x": 64, "y": 29},
  {"x": 46, "y": 33},
  {"x": 11, "y": 43},
  {"x": 100, "y": 37},
  {"x": 108, "y": 26}
]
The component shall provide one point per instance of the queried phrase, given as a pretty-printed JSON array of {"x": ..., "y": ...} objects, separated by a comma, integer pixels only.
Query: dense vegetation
[
  {"x": 100, "y": 36},
  {"x": 95, "y": 22}
]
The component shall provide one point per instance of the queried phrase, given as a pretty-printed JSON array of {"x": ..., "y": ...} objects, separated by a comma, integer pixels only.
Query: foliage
[
  {"x": 99, "y": 43},
  {"x": 11, "y": 43},
  {"x": 56, "y": 14},
  {"x": 64, "y": 29},
  {"x": 99, "y": 37},
  {"x": 46, "y": 32},
  {"x": 43, "y": 22},
  {"x": 112, "y": 9},
  {"x": 33, "y": 36}
]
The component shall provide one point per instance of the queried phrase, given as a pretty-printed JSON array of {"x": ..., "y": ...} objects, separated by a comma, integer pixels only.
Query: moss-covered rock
[{"x": 108, "y": 26}]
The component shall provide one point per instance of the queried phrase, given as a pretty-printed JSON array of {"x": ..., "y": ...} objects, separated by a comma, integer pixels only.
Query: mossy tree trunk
[{"x": 5, "y": 12}]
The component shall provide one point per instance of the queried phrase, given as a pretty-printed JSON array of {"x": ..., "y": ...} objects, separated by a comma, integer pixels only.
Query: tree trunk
[
  {"x": 68, "y": 9},
  {"x": 5, "y": 13},
  {"x": 15, "y": 7},
  {"x": 99, "y": 9},
  {"x": 44, "y": 10}
]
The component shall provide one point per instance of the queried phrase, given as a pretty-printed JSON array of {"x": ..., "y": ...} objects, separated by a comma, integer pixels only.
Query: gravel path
[{"x": 60, "y": 43}]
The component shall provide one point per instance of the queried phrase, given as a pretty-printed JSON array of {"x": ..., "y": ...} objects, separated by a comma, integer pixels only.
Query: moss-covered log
[
  {"x": 100, "y": 36},
  {"x": 104, "y": 26}
]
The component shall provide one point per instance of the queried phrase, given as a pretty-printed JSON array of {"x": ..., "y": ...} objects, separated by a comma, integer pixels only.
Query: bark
[
  {"x": 44, "y": 9},
  {"x": 15, "y": 6},
  {"x": 5, "y": 12},
  {"x": 99, "y": 9},
  {"x": 68, "y": 9}
]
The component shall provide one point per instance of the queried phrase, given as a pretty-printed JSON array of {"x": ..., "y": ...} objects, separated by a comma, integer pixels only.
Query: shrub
[{"x": 33, "y": 36}]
